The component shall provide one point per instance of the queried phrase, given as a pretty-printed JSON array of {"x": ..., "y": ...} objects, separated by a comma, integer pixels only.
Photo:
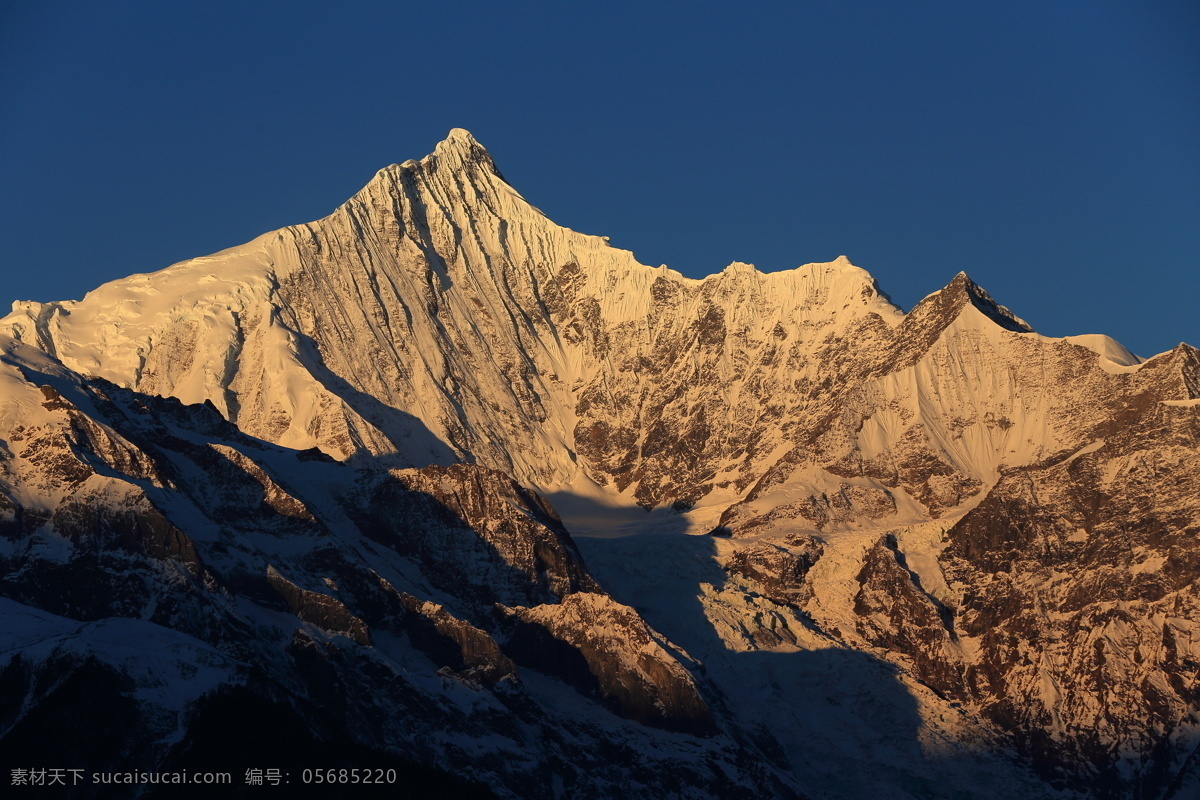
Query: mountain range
[{"x": 435, "y": 485}]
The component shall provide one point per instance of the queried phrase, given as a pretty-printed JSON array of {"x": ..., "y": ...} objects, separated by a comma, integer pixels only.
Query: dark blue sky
[{"x": 1052, "y": 150}]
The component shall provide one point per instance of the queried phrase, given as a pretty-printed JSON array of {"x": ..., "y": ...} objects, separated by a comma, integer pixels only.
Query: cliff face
[{"x": 324, "y": 455}]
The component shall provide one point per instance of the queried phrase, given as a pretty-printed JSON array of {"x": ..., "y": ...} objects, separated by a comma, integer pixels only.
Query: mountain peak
[
  {"x": 461, "y": 142},
  {"x": 460, "y": 134},
  {"x": 977, "y": 296},
  {"x": 460, "y": 149},
  {"x": 458, "y": 154},
  {"x": 935, "y": 312},
  {"x": 459, "y": 137}
]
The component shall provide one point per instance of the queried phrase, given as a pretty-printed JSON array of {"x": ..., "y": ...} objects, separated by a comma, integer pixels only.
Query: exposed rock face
[
  {"x": 1078, "y": 584},
  {"x": 602, "y": 646},
  {"x": 899, "y": 616},
  {"x": 780, "y": 566},
  {"x": 475, "y": 531},
  {"x": 459, "y": 646},
  {"x": 316, "y": 463},
  {"x": 319, "y": 609}
]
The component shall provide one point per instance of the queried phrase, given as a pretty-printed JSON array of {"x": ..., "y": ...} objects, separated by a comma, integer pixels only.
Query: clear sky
[{"x": 1051, "y": 148}]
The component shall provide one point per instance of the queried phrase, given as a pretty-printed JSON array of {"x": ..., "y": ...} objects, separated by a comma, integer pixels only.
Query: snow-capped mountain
[{"x": 436, "y": 482}]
